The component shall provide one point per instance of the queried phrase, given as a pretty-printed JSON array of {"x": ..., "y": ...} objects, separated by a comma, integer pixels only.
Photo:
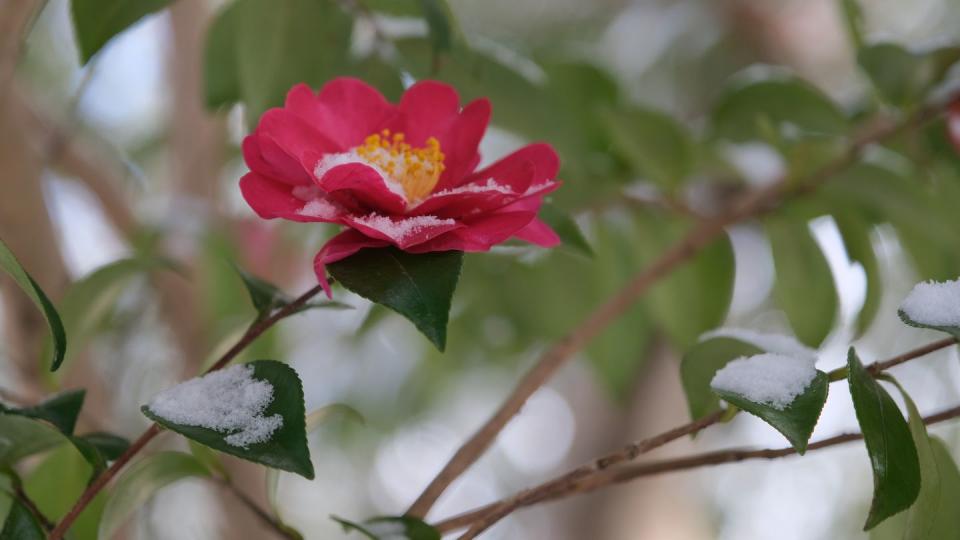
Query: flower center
[{"x": 416, "y": 169}]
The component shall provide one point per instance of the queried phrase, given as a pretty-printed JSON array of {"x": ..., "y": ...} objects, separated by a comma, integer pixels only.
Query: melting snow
[
  {"x": 400, "y": 229},
  {"x": 772, "y": 343},
  {"x": 772, "y": 379},
  {"x": 229, "y": 401},
  {"x": 491, "y": 185},
  {"x": 319, "y": 208},
  {"x": 934, "y": 303},
  {"x": 330, "y": 161}
]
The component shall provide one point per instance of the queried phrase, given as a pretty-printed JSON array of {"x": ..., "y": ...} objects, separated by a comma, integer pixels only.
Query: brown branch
[
  {"x": 625, "y": 474},
  {"x": 255, "y": 330},
  {"x": 751, "y": 205},
  {"x": 486, "y": 516}
]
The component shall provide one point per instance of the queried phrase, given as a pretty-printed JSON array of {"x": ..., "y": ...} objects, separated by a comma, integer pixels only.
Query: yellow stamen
[{"x": 417, "y": 169}]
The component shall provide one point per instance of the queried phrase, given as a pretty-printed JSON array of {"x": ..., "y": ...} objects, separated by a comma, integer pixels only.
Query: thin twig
[
  {"x": 254, "y": 508},
  {"x": 31, "y": 506},
  {"x": 624, "y": 474},
  {"x": 752, "y": 204},
  {"x": 496, "y": 511},
  {"x": 255, "y": 330}
]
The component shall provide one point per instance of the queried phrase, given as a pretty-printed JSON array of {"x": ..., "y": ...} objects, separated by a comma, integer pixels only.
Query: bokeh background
[{"x": 121, "y": 159}]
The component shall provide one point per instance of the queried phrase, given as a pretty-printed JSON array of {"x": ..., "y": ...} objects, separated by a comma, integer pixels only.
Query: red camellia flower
[{"x": 402, "y": 175}]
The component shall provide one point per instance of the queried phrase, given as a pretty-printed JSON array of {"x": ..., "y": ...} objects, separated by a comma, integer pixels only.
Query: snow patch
[
  {"x": 934, "y": 303},
  {"x": 331, "y": 161},
  {"x": 402, "y": 228},
  {"x": 306, "y": 193},
  {"x": 229, "y": 401},
  {"x": 772, "y": 343},
  {"x": 490, "y": 186},
  {"x": 319, "y": 208},
  {"x": 772, "y": 379}
]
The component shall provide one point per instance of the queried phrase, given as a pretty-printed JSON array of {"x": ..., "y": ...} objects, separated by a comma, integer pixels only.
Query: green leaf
[
  {"x": 109, "y": 446},
  {"x": 856, "y": 239},
  {"x": 775, "y": 107},
  {"x": 55, "y": 484},
  {"x": 267, "y": 297},
  {"x": 893, "y": 455},
  {"x": 280, "y": 44},
  {"x": 700, "y": 363},
  {"x": 654, "y": 144},
  {"x": 21, "y": 524},
  {"x": 903, "y": 77},
  {"x": 97, "y": 21},
  {"x": 795, "y": 421},
  {"x": 804, "y": 287},
  {"x": 141, "y": 481},
  {"x": 287, "y": 447},
  {"x": 9, "y": 263},
  {"x": 853, "y": 19},
  {"x": 932, "y": 516},
  {"x": 566, "y": 228},
  {"x": 418, "y": 286},
  {"x": 221, "y": 78},
  {"x": 391, "y": 528},
  {"x": 437, "y": 15},
  {"x": 24, "y": 437},
  {"x": 952, "y": 330},
  {"x": 61, "y": 410}
]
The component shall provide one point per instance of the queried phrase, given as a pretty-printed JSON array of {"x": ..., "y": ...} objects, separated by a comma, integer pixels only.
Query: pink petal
[
  {"x": 539, "y": 233},
  {"x": 283, "y": 133},
  {"x": 428, "y": 109},
  {"x": 515, "y": 169},
  {"x": 470, "y": 199},
  {"x": 346, "y": 110},
  {"x": 340, "y": 247},
  {"x": 479, "y": 235},
  {"x": 272, "y": 199},
  {"x": 362, "y": 188},
  {"x": 278, "y": 165},
  {"x": 459, "y": 143},
  {"x": 403, "y": 231}
]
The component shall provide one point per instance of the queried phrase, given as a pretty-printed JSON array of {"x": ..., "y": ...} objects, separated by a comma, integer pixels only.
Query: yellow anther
[{"x": 416, "y": 169}]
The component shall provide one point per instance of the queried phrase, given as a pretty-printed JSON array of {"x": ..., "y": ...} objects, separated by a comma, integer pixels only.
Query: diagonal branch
[
  {"x": 256, "y": 329},
  {"x": 707, "y": 230},
  {"x": 486, "y": 516}
]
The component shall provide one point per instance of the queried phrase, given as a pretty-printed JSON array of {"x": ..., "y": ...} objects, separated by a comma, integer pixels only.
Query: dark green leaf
[
  {"x": 893, "y": 455},
  {"x": 701, "y": 363},
  {"x": 97, "y": 21},
  {"x": 287, "y": 447},
  {"x": 804, "y": 287},
  {"x": 61, "y": 410},
  {"x": 795, "y": 421},
  {"x": 221, "y": 80},
  {"x": 566, "y": 228},
  {"x": 655, "y": 144},
  {"x": 774, "y": 108},
  {"x": 391, "y": 528},
  {"x": 280, "y": 44},
  {"x": 55, "y": 484},
  {"x": 109, "y": 445},
  {"x": 417, "y": 286},
  {"x": 903, "y": 77},
  {"x": 853, "y": 18},
  {"x": 9, "y": 263},
  {"x": 141, "y": 481},
  {"x": 952, "y": 330},
  {"x": 437, "y": 15},
  {"x": 21, "y": 524}
]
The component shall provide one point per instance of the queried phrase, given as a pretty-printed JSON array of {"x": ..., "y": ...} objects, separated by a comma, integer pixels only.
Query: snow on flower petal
[{"x": 394, "y": 174}]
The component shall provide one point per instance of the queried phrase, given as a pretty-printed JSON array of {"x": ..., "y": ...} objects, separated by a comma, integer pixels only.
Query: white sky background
[{"x": 797, "y": 498}]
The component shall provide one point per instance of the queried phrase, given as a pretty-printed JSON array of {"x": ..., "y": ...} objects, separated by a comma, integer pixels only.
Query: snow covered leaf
[
  {"x": 21, "y": 524},
  {"x": 932, "y": 517},
  {"x": 417, "y": 286},
  {"x": 701, "y": 363},
  {"x": 97, "y": 21},
  {"x": 61, "y": 410},
  {"x": 253, "y": 411},
  {"x": 804, "y": 287},
  {"x": 933, "y": 305},
  {"x": 10, "y": 264},
  {"x": 141, "y": 481},
  {"x": 391, "y": 528},
  {"x": 786, "y": 392},
  {"x": 893, "y": 455}
]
